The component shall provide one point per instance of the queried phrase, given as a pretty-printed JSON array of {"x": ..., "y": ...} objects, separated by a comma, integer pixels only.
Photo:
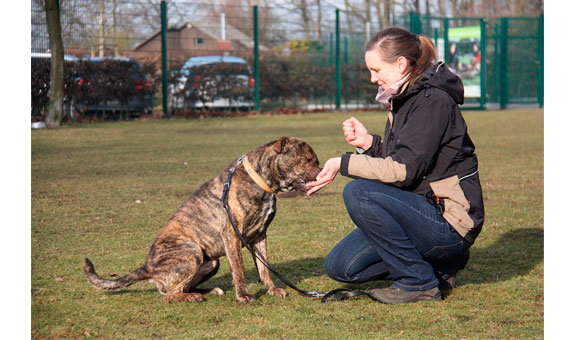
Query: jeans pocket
[{"x": 441, "y": 252}]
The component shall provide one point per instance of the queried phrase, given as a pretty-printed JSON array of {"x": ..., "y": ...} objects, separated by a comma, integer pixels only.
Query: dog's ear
[{"x": 280, "y": 145}]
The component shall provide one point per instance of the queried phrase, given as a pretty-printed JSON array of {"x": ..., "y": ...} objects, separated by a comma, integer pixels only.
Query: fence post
[
  {"x": 482, "y": 47},
  {"x": 164, "y": 60},
  {"x": 337, "y": 64},
  {"x": 446, "y": 40},
  {"x": 540, "y": 61},
  {"x": 256, "y": 61},
  {"x": 414, "y": 23},
  {"x": 503, "y": 89},
  {"x": 496, "y": 62}
]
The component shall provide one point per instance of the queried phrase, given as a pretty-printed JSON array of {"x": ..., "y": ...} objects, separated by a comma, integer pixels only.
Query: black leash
[{"x": 335, "y": 294}]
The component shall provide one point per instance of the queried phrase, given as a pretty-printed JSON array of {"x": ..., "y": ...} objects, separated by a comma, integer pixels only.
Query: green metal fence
[
  {"x": 511, "y": 56},
  {"x": 296, "y": 63}
]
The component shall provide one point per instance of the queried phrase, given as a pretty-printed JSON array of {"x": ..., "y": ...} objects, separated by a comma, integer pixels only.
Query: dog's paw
[
  {"x": 246, "y": 298},
  {"x": 216, "y": 291},
  {"x": 192, "y": 297},
  {"x": 183, "y": 297},
  {"x": 278, "y": 292}
]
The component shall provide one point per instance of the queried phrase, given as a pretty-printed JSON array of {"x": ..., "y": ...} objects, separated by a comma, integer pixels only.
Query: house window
[{"x": 199, "y": 41}]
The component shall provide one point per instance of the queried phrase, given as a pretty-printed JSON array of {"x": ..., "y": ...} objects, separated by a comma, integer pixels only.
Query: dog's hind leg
[
  {"x": 208, "y": 269},
  {"x": 173, "y": 263}
]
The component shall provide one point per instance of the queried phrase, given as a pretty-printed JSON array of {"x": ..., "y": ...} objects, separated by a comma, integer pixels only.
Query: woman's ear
[{"x": 402, "y": 63}]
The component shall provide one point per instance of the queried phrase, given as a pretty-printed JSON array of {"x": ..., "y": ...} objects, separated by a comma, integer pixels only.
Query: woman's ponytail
[{"x": 427, "y": 58}]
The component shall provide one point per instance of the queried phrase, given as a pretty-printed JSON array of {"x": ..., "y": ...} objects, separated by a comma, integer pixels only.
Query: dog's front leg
[
  {"x": 260, "y": 247},
  {"x": 233, "y": 247}
]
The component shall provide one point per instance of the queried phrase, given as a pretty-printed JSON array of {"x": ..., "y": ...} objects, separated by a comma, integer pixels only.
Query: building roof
[{"x": 213, "y": 30}]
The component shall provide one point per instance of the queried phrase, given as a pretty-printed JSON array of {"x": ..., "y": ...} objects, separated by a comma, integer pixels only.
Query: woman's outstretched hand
[
  {"x": 326, "y": 175},
  {"x": 356, "y": 134}
]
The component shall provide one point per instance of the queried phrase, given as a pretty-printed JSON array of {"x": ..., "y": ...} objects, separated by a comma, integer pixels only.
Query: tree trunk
[
  {"x": 379, "y": 13},
  {"x": 306, "y": 19},
  {"x": 102, "y": 8},
  {"x": 318, "y": 23},
  {"x": 367, "y": 19},
  {"x": 387, "y": 12},
  {"x": 454, "y": 8},
  {"x": 417, "y": 7},
  {"x": 440, "y": 8},
  {"x": 56, "y": 92}
]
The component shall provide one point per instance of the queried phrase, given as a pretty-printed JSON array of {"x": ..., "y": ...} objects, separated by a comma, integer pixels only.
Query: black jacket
[{"x": 426, "y": 150}]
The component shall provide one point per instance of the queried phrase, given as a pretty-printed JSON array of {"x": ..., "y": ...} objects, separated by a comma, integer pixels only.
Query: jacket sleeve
[
  {"x": 377, "y": 147},
  {"x": 417, "y": 143}
]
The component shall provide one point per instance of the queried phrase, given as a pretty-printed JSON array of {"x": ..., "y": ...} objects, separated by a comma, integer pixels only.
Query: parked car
[
  {"x": 37, "y": 57},
  {"x": 214, "y": 82},
  {"x": 112, "y": 85}
]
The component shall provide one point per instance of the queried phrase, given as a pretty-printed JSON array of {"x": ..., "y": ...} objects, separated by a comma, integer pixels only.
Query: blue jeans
[{"x": 398, "y": 233}]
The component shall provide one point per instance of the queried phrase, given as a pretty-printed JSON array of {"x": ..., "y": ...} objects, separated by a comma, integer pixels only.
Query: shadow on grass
[
  {"x": 514, "y": 254},
  {"x": 294, "y": 271}
]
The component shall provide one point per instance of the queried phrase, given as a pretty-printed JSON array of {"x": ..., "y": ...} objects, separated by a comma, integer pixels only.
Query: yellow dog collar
[{"x": 257, "y": 178}]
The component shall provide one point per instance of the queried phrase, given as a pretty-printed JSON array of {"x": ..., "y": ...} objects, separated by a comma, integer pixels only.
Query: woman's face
[{"x": 383, "y": 73}]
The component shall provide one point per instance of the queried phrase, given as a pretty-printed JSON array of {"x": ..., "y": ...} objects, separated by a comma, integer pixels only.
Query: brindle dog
[{"x": 186, "y": 250}]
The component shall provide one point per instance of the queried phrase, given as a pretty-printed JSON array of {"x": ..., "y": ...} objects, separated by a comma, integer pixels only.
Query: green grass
[{"x": 86, "y": 180}]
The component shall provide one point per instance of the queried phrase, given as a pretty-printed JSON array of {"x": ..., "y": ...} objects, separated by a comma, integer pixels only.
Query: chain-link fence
[{"x": 209, "y": 52}]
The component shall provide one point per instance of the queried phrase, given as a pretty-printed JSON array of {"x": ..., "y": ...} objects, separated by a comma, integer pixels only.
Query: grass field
[{"x": 103, "y": 191}]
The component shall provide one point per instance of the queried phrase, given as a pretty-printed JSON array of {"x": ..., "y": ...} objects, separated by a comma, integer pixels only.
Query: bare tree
[
  {"x": 317, "y": 24},
  {"x": 454, "y": 8},
  {"x": 417, "y": 7},
  {"x": 384, "y": 10},
  {"x": 56, "y": 92},
  {"x": 301, "y": 7},
  {"x": 102, "y": 28},
  {"x": 440, "y": 8},
  {"x": 358, "y": 12}
]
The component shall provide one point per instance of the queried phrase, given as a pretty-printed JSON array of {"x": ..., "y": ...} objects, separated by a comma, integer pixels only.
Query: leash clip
[
  {"x": 240, "y": 160},
  {"x": 316, "y": 294}
]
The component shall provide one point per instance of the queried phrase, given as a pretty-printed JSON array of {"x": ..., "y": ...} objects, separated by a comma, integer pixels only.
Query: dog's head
[{"x": 292, "y": 163}]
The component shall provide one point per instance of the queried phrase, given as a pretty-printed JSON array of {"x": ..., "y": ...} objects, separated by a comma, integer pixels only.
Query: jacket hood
[{"x": 438, "y": 76}]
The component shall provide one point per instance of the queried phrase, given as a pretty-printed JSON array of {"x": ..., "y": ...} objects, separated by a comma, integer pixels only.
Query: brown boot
[{"x": 393, "y": 295}]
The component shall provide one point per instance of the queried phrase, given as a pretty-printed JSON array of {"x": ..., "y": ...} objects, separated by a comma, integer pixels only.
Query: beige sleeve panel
[{"x": 382, "y": 169}]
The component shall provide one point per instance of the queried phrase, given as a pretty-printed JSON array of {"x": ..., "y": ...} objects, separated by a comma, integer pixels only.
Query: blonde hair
[{"x": 394, "y": 42}]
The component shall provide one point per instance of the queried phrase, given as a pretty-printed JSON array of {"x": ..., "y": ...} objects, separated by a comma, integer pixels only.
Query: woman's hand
[
  {"x": 326, "y": 175},
  {"x": 356, "y": 134}
]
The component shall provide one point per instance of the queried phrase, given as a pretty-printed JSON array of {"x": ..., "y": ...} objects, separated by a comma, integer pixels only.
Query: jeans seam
[
  {"x": 458, "y": 243},
  {"x": 354, "y": 260},
  {"x": 407, "y": 205}
]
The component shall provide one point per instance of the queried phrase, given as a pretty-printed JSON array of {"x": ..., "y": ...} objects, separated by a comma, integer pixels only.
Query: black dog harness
[{"x": 335, "y": 294}]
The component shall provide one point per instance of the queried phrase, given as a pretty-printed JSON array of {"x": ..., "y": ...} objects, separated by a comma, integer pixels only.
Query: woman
[
  {"x": 453, "y": 60},
  {"x": 416, "y": 198}
]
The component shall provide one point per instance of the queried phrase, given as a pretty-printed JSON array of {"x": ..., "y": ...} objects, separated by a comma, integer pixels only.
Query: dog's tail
[{"x": 114, "y": 285}]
